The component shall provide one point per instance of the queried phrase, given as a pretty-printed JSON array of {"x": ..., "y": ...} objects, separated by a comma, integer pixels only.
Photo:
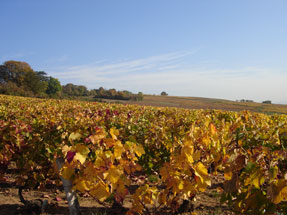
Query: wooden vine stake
[{"x": 71, "y": 196}]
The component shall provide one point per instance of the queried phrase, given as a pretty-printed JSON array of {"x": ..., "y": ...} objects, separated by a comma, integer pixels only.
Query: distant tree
[
  {"x": 33, "y": 83},
  {"x": 24, "y": 77},
  {"x": 68, "y": 89},
  {"x": 101, "y": 92},
  {"x": 14, "y": 71},
  {"x": 18, "y": 78},
  {"x": 82, "y": 90},
  {"x": 93, "y": 92},
  {"x": 54, "y": 86},
  {"x": 267, "y": 102},
  {"x": 112, "y": 93},
  {"x": 42, "y": 76},
  {"x": 123, "y": 96},
  {"x": 139, "y": 96},
  {"x": 11, "y": 88},
  {"x": 127, "y": 92},
  {"x": 246, "y": 100},
  {"x": 4, "y": 77},
  {"x": 74, "y": 90},
  {"x": 163, "y": 93}
]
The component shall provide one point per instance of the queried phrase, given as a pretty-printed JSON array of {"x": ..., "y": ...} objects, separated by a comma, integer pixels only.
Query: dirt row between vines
[{"x": 206, "y": 203}]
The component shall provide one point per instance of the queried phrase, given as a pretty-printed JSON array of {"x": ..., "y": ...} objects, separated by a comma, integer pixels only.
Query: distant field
[{"x": 207, "y": 103}]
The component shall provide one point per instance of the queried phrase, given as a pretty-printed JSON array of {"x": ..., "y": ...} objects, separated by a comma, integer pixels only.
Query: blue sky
[{"x": 230, "y": 49}]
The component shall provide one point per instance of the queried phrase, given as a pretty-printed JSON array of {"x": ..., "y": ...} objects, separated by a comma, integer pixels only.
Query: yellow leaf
[
  {"x": 213, "y": 129},
  {"x": 74, "y": 136},
  {"x": 256, "y": 178},
  {"x": 228, "y": 175},
  {"x": 109, "y": 142},
  {"x": 99, "y": 162},
  {"x": 81, "y": 186},
  {"x": 188, "y": 189},
  {"x": 187, "y": 151},
  {"x": 82, "y": 149},
  {"x": 201, "y": 186},
  {"x": 100, "y": 191},
  {"x": 114, "y": 174},
  {"x": 139, "y": 150},
  {"x": 206, "y": 141},
  {"x": 180, "y": 184},
  {"x": 128, "y": 145},
  {"x": 201, "y": 172},
  {"x": 114, "y": 133},
  {"x": 80, "y": 157},
  {"x": 196, "y": 155},
  {"x": 65, "y": 149},
  {"x": 284, "y": 193},
  {"x": 273, "y": 171},
  {"x": 118, "y": 150},
  {"x": 240, "y": 142},
  {"x": 277, "y": 192},
  {"x": 100, "y": 134},
  {"x": 255, "y": 182},
  {"x": 82, "y": 153},
  {"x": 108, "y": 154},
  {"x": 67, "y": 172},
  {"x": 89, "y": 170}
]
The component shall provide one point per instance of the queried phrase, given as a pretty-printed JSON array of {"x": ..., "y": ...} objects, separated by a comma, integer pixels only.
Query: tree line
[{"x": 18, "y": 78}]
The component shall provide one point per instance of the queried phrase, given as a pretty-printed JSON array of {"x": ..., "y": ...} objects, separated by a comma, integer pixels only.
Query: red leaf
[{"x": 70, "y": 156}]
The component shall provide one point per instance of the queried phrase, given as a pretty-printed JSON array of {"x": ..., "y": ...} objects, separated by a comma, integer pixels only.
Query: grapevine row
[{"x": 106, "y": 146}]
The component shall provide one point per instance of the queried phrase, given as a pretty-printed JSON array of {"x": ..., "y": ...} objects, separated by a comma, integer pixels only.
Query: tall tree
[
  {"x": 42, "y": 76},
  {"x": 75, "y": 90},
  {"x": 36, "y": 83},
  {"x": 54, "y": 86},
  {"x": 3, "y": 74},
  {"x": 15, "y": 71}
]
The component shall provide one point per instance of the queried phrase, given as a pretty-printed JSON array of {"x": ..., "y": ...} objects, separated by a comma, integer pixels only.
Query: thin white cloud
[
  {"x": 127, "y": 66},
  {"x": 171, "y": 72}
]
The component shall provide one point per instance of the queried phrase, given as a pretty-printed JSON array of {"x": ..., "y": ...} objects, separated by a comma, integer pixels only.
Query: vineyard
[{"x": 160, "y": 158}]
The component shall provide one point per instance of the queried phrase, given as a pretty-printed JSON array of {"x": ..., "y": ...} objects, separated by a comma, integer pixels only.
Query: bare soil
[{"x": 206, "y": 203}]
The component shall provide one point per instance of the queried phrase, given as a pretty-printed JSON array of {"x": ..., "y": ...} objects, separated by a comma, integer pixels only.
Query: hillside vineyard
[{"x": 106, "y": 147}]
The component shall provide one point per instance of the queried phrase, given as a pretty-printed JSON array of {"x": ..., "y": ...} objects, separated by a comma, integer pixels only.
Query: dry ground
[
  {"x": 206, "y": 203},
  {"x": 206, "y": 103}
]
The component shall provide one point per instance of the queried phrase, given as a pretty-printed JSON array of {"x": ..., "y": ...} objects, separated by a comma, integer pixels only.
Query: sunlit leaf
[
  {"x": 81, "y": 186},
  {"x": 114, "y": 133},
  {"x": 139, "y": 150},
  {"x": 114, "y": 174},
  {"x": 82, "y": 153},
  {"x": 74, "y": 136},
  {"x": 67, "y": 172},
  {"x": 100, "y": 191}
]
